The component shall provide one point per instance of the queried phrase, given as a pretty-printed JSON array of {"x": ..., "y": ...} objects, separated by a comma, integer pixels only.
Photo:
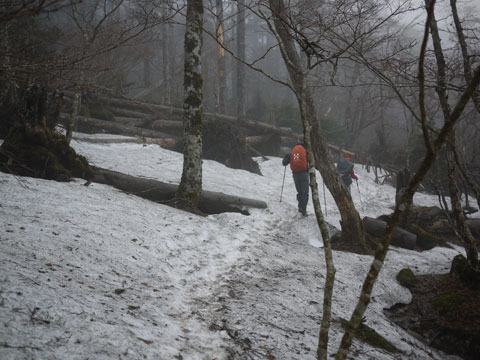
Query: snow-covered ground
[{"x": 95, "y": 273}]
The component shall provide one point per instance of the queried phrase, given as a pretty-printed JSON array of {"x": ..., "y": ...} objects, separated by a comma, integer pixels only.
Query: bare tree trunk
[
  {"x": 190, "y": 187},
  {"x": 352, "y": 227},
  {"x": 77, "y": 100},
  {"x": 221, "y": 79},
  {"x": 429, "y": 159},
  {"x": 467, "y": 68},
  {"x": 462, "y": 228},
  {"x": 316, "y": 151},
  {"x": 241, "y": 55},
  {"x": 167, "y": 65}
]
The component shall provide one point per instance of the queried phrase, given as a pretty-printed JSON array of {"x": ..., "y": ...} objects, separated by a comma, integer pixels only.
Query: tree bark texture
[
  {"x": 191, "y": 183},
  {"x": 441, "y": 89},
  {"x": 77, "y": 99},
  {"x": 210, "y": 202},
  {"x": 467, "y": 67},
  {"x": 240, "y": 75},
  {"x": 299, "y": 81},
  {"x": 400, "y": 208},
  {"x": 93, "y": 126},
  {"x": 352, "y": 227},
  {"x": 461, "y": 226},
  {"x": 221, "y": 79}
]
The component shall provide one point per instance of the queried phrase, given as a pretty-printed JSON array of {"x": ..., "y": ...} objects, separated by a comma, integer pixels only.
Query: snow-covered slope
[{"x": 92, "y": 272}]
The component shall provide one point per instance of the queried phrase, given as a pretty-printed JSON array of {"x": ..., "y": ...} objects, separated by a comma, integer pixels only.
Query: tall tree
[
  {"x": 221, "y": 88},
  {"x": 240, "y": 75},
  {"x": 463, "y": 230},
  {"x": 188, "y": 194},
  {"x": 352, "y": 227},
  {"x": 318, "y": 155},
  {"x": 433, "y": 143}
]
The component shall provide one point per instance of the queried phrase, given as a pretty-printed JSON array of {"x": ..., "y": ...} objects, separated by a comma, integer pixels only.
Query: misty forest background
[
  {"x": 393, "y": 84},
  {"x": 135, "y": 49}
]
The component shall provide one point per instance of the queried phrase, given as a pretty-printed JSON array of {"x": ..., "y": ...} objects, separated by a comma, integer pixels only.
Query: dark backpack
[{"x": 344, "y": 169}]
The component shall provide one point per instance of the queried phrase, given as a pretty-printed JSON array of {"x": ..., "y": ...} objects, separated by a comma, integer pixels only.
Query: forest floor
[{"x": 444, "y": 313}]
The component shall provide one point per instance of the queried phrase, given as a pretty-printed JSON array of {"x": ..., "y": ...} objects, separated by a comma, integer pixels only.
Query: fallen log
[
  {"x": 400, "y": 238},
  {"x": 94, "y": 126},
  {"x": 145, "y": 123},
  {"x": 443, "y": 226},
  {"x": 210, "y": 202},
  {"x": 168, "y": 126},
  {"x": 164, "y": 143},
  {"x": 129, "y": 113}
]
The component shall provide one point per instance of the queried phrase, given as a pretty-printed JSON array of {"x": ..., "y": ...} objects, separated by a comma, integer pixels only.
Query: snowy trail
[{"x": 92, "y": 272}]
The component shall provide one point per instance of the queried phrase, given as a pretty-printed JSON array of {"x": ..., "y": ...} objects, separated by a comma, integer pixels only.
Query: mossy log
[
  {"x": 210, "y": 202},
  {"x": 93, "y": 126},
  {"x": 129, "y": 113},
  {"x": 169, "y": 126},
  {"x": 131, "y": 121},
  {"x": 164, "y": 143},
  {"x": 39, "y": 152},
  {"x": 401, "y": 237}
]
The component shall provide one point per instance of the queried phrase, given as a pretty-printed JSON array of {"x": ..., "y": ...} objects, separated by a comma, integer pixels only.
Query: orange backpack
[{"x": 298, "y": 159}]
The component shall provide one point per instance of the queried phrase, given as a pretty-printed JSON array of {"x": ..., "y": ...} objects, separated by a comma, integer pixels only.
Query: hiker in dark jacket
[
  {"x": 345, "y": 170},
  {"x": 298, "y": 164}
]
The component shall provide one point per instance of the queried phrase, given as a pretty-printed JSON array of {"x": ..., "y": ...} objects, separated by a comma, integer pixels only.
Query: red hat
[{"x": 348, "y": 159}]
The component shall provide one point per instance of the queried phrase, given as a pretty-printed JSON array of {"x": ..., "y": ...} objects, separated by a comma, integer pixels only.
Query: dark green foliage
[
  {"x": 448, "y": 302},
  {"x": 407, "y": 278}
]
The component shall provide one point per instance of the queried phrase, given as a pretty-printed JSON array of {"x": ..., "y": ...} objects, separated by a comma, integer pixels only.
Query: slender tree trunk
[
  {"x": 221, "y": 79},
  {"x": 352, "y": 227},
  {"x": 241, "y": 55},
  {"x": 316, "y": 151},
  {"x": 77, "y": 100},
  {"x": 167, "y": 59},
  {"x": 330, "y": 278},
  {"x": 191, "y": 184},
  {"x": 462, "y": 229},
  {"x": 467, "y": 68},
  {"x": 429, "y": 159}
]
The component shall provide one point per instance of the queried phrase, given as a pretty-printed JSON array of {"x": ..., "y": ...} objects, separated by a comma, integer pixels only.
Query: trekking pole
[
  {"x": 359, "y": 194},
  {"x": 283, "y": 182},
  {"x": 324, "y": 198}
]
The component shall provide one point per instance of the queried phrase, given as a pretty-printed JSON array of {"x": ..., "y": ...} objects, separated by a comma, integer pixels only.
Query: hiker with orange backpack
[{"x": 298, "y": 164}]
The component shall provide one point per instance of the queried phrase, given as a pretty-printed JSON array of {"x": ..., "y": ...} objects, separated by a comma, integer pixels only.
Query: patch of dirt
[{"x": 444, "y": 313}]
